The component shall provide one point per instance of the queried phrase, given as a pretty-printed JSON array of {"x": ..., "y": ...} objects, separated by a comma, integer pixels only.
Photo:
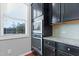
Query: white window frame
[{"x": 27, "y": 24}]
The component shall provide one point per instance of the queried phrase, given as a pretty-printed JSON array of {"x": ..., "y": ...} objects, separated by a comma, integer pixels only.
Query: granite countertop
[{"x": 74, "y": 42}]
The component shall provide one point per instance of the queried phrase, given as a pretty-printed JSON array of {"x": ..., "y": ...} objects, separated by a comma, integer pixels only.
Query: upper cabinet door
[
  {"x": 37, "y": 9},
  {"x": 56, "y": 12},
  {"x": 34, "y": 12},
  {"x": 71, "y": 11}
]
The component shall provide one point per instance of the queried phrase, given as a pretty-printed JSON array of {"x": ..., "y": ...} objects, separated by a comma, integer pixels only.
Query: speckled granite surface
[{"x": 74, "y": 42}]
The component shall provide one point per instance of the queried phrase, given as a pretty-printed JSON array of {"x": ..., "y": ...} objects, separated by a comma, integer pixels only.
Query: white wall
[
  {"x": 14, "y": 45},
  {"x": 70, "y": 31}
]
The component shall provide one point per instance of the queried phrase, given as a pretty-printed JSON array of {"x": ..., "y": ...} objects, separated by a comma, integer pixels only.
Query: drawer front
[
  {"x": 62, "y": 47},
  {"x": 49, "y": 51},
  {"x": 36, "y": 43},
  {"x": 73, "y": 50},
  {"x": 48, "y": 42},
  {"x": 61, "y": 53}
]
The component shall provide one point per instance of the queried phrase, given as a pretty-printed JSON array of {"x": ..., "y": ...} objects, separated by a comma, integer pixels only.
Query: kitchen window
[
  {"x": 14, "y": 26},
  {"x": 14, "y": 19},
  {"x": 15, "y": 16}
]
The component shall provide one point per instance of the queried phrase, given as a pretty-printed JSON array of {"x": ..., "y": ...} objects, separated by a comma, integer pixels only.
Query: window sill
[{"x": 13, "y": 36}]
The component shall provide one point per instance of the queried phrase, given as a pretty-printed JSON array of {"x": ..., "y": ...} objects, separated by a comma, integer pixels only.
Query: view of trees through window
[
  {"x": 14, "y": 22},
  {"x": 14, "y": 26}
]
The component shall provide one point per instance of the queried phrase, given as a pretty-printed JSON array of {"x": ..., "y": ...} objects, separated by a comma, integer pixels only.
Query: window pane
[
  {"x": 20, "y": 28},
  {"x": 16, "y": 10},
  {"x": 15, "y": 16},
  {"x": 12, "y": 26}
]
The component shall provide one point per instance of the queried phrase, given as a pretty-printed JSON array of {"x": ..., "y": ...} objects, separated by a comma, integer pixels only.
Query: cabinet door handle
[
  {"x": 53, "y": 49},
  {"x": 48, "y": 42},
  {"x": 68, "y": 49}
]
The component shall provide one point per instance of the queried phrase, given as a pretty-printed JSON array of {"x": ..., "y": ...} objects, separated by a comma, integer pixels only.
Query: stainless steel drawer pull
[
  {"x": 53, "y": 49},
  {"x": 68, "y": 49},
  {"x": 48, "y": 42}
]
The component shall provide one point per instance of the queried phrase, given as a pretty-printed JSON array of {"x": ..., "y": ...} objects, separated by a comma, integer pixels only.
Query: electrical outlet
[
  {"x": 9, "y": 51},
  {"x": 64, "y": 32}
]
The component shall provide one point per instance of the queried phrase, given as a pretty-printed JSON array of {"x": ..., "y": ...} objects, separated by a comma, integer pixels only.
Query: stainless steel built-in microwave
[{"x": 37, "y": 25}]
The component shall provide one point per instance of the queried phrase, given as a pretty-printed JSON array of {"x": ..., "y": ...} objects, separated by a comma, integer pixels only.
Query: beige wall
[
  {"x": 15, "y": 47},
  {"x": 67, "y": 30}
]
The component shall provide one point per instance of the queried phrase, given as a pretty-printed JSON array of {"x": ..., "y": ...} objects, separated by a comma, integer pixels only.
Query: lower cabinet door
[
  {"x": 49, "y": 51},
  {"x": 61, "y": 53}
]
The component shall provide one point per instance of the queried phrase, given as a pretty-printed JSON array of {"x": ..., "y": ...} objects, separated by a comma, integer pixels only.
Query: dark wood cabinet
[
  {"x": 62, "y": 47},
  {"x": 73, "y": 50},
  {"x": 67, "y": 49},
  {"x": 52, "y": 48},
  {"x": 40, "y": 25},
  {"x": 47, "y": 28},
  {"x": 37, "y": 21},
  {"x": 33, "y": 11},
  {"x": 36, "y": 43},
  {"x": 61, "y": 53},
  {"x": 52, "y": 13},
  {"x": 56, "y": 13},
  {"x": 62, "y": 12},
  {"x": 71, "y": 11},
  {"x": 50, "y": 43},
  {"x": 37, "y": 10},
  {"x": 49, "y": 48}
]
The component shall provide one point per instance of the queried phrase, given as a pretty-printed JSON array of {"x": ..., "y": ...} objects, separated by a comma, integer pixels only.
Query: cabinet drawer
[
  {"x": 62, "y": 47},
  {"x": 36, "y": 43},
  {"x": 61, "y": 53},
  {"x": 48, "y": 42},
  {"x": 73, "y": 50},
  {"x": 49, "y": 51}
]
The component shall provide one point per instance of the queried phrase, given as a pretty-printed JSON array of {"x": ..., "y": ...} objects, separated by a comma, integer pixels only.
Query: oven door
[
  {"x": 37, "y": 44},
  {"x": 37, "y": 26}
]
